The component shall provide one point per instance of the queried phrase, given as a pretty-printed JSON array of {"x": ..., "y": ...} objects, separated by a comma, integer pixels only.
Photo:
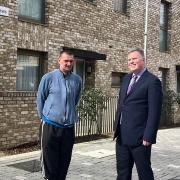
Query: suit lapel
[
  {"x": 126, "y": 84},
  {"x": 139, "y": 82}
]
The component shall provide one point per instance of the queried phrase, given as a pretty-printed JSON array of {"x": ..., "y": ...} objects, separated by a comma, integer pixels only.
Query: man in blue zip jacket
[{"x": 58, "y": 94}]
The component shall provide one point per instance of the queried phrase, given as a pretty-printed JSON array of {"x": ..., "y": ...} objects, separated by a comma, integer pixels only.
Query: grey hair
[{"x": 141, "y": 51}]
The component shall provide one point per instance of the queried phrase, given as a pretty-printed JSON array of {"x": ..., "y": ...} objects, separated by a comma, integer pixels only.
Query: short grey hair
[{"x": 141, "y": 52}]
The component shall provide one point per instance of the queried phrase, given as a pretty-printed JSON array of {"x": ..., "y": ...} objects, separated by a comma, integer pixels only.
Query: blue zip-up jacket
[{"x": 58, "y": 96}]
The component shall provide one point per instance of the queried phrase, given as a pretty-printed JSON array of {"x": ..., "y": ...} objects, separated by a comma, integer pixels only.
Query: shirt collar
[
  {"x": 139, "y": 74},
  {"x": 65, "y": 75}
]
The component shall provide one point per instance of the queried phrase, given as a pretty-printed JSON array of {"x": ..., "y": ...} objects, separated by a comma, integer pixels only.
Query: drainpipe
[{"x": 145, "y": 31}]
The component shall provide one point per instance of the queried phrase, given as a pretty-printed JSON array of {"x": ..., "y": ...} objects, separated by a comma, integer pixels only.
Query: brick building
[{"x": 99, "y": 32}]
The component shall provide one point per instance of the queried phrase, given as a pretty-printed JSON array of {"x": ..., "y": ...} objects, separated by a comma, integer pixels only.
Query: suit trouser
[
  {"x": 126, "y": 156},
  {"x": 56, "y": 148}
]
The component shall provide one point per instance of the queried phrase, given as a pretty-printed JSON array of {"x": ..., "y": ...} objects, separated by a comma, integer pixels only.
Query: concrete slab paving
[{"x": 95, "y": 160}]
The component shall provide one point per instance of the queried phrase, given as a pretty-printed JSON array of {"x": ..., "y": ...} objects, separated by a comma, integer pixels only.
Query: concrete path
[{"x": 96, "y": 161}]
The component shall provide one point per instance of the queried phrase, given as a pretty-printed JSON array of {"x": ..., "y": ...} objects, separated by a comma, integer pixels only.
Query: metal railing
[{"x": 103, "y": 123}]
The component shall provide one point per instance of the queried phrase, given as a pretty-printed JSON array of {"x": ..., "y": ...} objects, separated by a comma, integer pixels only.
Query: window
[
  {"x": 178, "y": 78},
  {"x": 163, "y": 74},
  {"x": 31, "y": 10},
  {"x": 120, "y": 6},
  {"x": 91, "y": 1},
  {"x": 178, "y": 81},
  {"x": 79, "y": 68},
  {"x": 117, "y": 78},
  {"x": 164, "y": 13},
  {"x": 28, "y": 70}
]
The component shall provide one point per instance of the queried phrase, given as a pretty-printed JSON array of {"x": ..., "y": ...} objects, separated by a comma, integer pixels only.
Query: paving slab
[{"x": 95, "y": 160}]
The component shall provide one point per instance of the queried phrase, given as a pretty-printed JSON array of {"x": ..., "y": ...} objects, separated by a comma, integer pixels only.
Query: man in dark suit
[{"x": 137, "y": 118}]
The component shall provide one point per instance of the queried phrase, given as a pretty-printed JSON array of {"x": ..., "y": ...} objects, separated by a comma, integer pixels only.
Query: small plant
[
  {"x": 91, "y": 102},
  {"x": 91, "y": 105}
]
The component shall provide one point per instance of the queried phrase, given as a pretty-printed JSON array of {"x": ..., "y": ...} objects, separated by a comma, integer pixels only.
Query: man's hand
[{"x": 146, "y": 143}]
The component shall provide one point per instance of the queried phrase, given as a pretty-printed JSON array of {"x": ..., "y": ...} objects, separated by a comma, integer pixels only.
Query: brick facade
[
  {"x": 83, "y": 25},
  {"x": 19, "y": 124}
]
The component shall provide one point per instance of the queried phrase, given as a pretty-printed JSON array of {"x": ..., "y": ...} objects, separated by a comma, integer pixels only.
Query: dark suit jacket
[{"x": 140, "y": 110}]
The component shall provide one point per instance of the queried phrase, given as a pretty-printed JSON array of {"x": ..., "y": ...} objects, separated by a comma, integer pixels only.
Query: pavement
[{"x": 95, "y": 160}]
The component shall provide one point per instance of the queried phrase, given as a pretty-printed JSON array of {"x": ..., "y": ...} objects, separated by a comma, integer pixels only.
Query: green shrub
[{"x": 91, "y": 104}]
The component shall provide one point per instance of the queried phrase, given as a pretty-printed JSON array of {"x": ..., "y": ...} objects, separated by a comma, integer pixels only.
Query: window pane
[
  {"x": 31, "y": 9},
  {"x": 164, "y": 13},
  {"x": 164, "y": 8},
  {"x": 79, "y": 68},
  {"x": 27, "y": 72},
  {"x": 178, "y": 82},
  {"x": 163, "y": 40},
  {"x": 124, "y": 6},
  {"x": 120, "y": 5},
  {"x": 117, "y": 79}
]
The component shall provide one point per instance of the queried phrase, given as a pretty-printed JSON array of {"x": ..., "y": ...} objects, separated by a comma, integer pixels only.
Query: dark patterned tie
[{"x": 132, "y": 83}]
